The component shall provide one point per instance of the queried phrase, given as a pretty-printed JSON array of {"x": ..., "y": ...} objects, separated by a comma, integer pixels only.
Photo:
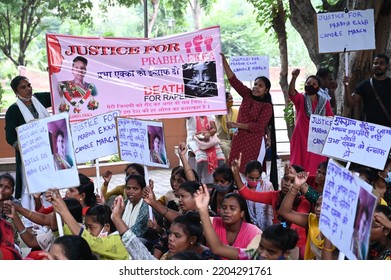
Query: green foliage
[
  {"x": 114, "y": 158},
  {"x": 1, "y": 96},
  {"x": 289, "y": 114}
]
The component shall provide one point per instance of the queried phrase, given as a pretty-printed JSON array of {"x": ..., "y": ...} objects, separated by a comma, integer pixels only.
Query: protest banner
[
  {"x": 247, "y": 68},
  {"x": 358, "y": 141},
  {"x": 95, "y": 137},
  {"x": 47, "y": 153},
  {"x": 347, "y": 210},
  {"x": 168, "y": 77},
  {"x": 319, "y": 129},
  {"x": 350, "y": 31},
  {"x": 142, "y": 141}
]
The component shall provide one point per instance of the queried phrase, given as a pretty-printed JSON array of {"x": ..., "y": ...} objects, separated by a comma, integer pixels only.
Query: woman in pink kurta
[
  {"x": 306, "y": 104},
  {"x": 255, "y": 112}
]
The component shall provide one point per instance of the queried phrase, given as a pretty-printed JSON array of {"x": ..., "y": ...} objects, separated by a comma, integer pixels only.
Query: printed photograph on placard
[
  {"x": 156, "y": 144},
  {"x": 200, "y": 79},
  {"x": 60, "y": 145}
]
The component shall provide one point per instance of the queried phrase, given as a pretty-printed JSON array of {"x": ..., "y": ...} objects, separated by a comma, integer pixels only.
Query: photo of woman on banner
[
  {"x": 362, "y": 224},
  {"x": 156, "y": 145},
  {"x": 200, "y": 79},
  {"x": 77, "y": 92},
  {"x": 60, "y": 145}
]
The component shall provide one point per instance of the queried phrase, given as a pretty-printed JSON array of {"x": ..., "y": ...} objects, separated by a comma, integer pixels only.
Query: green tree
[{"x": 22, "y": 20}]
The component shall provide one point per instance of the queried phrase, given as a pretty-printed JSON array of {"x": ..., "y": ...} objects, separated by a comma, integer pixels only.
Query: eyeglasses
[{"x": 254, "y": 178}]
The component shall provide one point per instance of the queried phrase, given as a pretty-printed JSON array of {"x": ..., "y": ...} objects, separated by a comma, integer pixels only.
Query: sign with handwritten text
[
  {"x": 47, "y": 154},
  {"x": 142, "y": 141},
  {"x": 154, "y": 78},
  {"x": 347, "y": 210},
  {"x": 95, "y": 137},
  {"x": 319, "y": 128},
  {"x": 358, "y": 141},
  {"x": 247, "y": 68},
  {"x": 351, "y": 31}
]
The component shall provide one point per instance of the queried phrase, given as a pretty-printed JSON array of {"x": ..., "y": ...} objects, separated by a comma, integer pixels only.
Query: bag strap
[{"x": 380, "y": 102}]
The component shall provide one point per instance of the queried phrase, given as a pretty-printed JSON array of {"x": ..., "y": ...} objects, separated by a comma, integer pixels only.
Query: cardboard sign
[
  {"x": 47, "y": 154},
  {"x": 318, "y": 131},
  {"x": 351, "y": 31}
]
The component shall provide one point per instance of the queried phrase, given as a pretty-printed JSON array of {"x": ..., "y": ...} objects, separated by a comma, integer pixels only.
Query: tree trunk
[{"x": 155, "y": 10}]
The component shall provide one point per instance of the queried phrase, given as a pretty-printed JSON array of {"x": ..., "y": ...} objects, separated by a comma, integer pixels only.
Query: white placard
[
  {"x": 351, "y": 31},
  {"x": 47, "y": 154},
  {"x": 319, "y": 128},
  {"x": 347, "y": 211},
  {"x": 95, "y": 137},
  {"x": 247, "y": 68},
  {"x": 358, "y": 141},
  {"x": 142, "y": 141}
]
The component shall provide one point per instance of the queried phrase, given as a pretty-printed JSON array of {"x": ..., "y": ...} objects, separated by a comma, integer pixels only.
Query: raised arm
[
  {"x": 292, "y": 84},
  {"x": 227, "y": 68},
  {"x": 300, "y": 219},
  {"x": 202, "y": 198},
  {"x": 182, "y": 149}
]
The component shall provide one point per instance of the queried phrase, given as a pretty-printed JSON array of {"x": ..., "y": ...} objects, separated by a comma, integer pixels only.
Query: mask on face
[
  {"x": 230, "y": 104},
  {"x": 388, "y": 179},
  {"x": 252, "y": 184},
  {"x": 220, "y": 188},
  {"x": 103, "y": 233},
  {"x": 23, "y": 98},
  {"x": 311, "y": 90}
]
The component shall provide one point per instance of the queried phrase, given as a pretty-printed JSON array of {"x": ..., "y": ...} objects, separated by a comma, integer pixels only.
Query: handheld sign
[
  {"x": 141, "y": 142},
  {"x": 347, "y": 210},
  {"x": 47, "y": 154},
  {"x": 340, "y": 31},
  {"x": 358, "y": 141},
  {"x": 95, "y": 137},
  {"x": 247, "y": 68},
  {"x": 319, "y": 128}
]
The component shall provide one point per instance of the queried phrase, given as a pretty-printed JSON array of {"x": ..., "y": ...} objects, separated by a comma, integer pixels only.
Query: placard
[
  {"x": 247, "y": 68},
  {"x": 347, "y": 210},
  {"x": 142, "y": 141},
  {"x": 358, "y": 141},
  {"x": 351, "y": 31},
  {"x": 318, "y": 131},
  {"x": 167, "y": 77},
  {"x": 95, "y": 137},
  {"x": 47, "y": 153}
]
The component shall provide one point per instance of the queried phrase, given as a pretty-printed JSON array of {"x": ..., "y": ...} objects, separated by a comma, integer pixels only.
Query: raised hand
[
  {"x": 107, "y": 177},
  {"x": 148, "y": 194},
  {"x": 300, "y": 179},
  {"x": 9, "y": 209},
  {"x": 182, "y": 148},
  {"x": 235, "y": 164},
  {"x": 295, "y": 73},
  {"x": 202, "y": 198},
  {"x": 118, "y": 207}
]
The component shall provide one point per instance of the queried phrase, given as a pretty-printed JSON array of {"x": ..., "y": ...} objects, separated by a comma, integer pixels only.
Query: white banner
[
  {"x": 247, "y": 68},
  {"x": 319, "y": 128}
]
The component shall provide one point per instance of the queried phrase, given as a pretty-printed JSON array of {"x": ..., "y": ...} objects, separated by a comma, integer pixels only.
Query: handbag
[
  {"x": 380, "y": 102},
  {"x": 203, "y": 145}
]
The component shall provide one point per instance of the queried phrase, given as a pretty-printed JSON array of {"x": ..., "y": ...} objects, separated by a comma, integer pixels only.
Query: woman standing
[
  {"x": 255, "y": 113},
  {"x": 27, "y": 107},
  {"x": 306, "y": 104}
]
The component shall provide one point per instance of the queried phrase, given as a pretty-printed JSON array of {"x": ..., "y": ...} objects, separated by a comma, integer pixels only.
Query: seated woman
[
  {"x": 99, "y": 232},
  {"x": 233, "y": 227},
  {"x": 275, "y": 244},
  {"x": 185, "y": 235}
]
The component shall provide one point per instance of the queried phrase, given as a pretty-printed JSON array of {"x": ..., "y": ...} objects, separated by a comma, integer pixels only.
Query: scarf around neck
[
  {"x": 320, "y": 107},
  {"x": 26, "y": 113}
]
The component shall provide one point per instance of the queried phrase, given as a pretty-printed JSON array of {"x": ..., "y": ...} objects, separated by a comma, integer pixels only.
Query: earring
[{"x": 191, "y": 242}]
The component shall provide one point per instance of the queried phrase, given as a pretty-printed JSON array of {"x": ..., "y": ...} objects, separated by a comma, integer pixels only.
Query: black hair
[
  {"x": 80, "y": 58},
  {"x": 191, "y": 225},
  {"x": 186, "y": 255},
  {"x": 297, "y": 168},
  {"x": 227, "y": 94},
  {"x": 267, "y": 98},
  {"x": 314, "y": 77},
  {"x": 323, "y": 72},
  {"x": 60, "y": 132},
  {"x": 190, "y": 186},
  {"x": 253, "y": 165},
  {"x": 181, "y": 172},
  {"x": 323, "y": 165},
  {"x": 138, "y": 167},
  {"x": 138, "y": 178},
  {"x": 382, "y": 55},
  {"x": 225, "y": 171},
  {"x": 9, "y": 177},
  {"x": 16, "y": 81},
  {"x": 74, "y": 208},
  {"x": 101, "y": 214},
  {"x": 75, "y": 247},
  {"x": 281, "y": 236},
  {"x": 386, "y": 210},
  {"x": 242, "y": 204},
  {"x": 87, "y": 187}
]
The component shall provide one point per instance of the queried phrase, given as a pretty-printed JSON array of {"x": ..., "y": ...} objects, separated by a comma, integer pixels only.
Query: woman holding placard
[
  {"x": 27, "y": 107},
  {"x": 306, "y": 104}
]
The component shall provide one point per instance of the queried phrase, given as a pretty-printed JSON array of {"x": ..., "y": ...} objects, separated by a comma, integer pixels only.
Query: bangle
[
  {"x": 293, "y": 186},
  {"x": 329, "y": 250},
  {"x": 30, "y": 214},
  {"x": 22, "y": 231},
  {"x": 165, "y": 212}
]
